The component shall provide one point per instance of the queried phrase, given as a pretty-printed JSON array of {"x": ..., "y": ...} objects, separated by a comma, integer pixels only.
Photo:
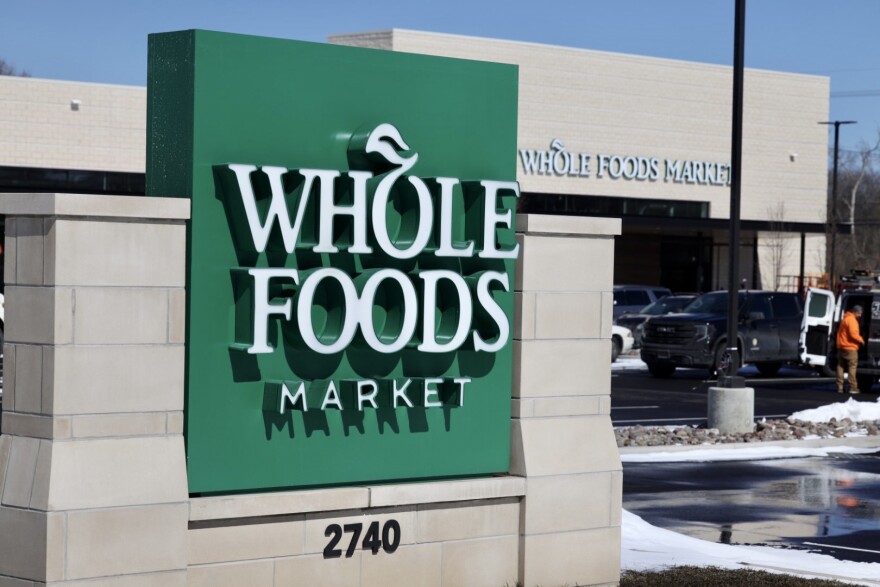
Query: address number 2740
[{"x": 388, "y": 539}]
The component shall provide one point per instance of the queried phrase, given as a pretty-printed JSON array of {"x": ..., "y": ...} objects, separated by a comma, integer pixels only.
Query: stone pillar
[
  {"x": 92, "y": 467},
  {"x": 562, "y": 439}
]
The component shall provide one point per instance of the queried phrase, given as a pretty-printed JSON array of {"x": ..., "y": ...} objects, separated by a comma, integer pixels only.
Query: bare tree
[
  {"x": 859, "y": 247},
  {"x": 776, "y": 243},
  {"x": 7, "y": 68}
]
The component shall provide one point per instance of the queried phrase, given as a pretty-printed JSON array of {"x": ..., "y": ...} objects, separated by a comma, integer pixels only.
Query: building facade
[
  {"x": 648, "y": 140},
  {"x": 71, "y": 136},
  {"x": 599, "y": 134}
]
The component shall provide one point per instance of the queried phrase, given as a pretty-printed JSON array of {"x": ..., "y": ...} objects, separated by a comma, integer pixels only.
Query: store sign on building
[
  {"x": 558, "y": 161},
  {"x": 350, "y": 286}
]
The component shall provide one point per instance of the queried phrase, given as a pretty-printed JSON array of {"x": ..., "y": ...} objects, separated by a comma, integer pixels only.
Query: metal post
[
  {"x": 739, "y": 35},
  {"x": 832, "y": 208},
  {"x": 801, "y": 285}
]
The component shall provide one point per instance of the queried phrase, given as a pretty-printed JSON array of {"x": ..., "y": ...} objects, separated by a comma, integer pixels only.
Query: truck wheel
[
  {"x": 661, "y": 370},
  {"x": 722, "y": 365},
  {"x": 616, "y": 347},
  {"x": 768, "y": 369},
  {"x": 866, "y": 382}
]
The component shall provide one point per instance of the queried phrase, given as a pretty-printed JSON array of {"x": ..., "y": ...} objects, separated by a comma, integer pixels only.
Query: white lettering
[
  {"x": 384, "y": 140},
  {"x": 461, "y": 381},
  {"x": 447, "y": 248},
  {"x": 484, "y": 296},
  {"x": 563, "y": 157},
  {"x": 400, "y": 393},
  {"x": 615, "y": 168},
  {"x": 630, "y": 168},
  {"x": 585, "y": 165},
  {"x": 304, "y": 311},
  {"x": 673, "y": 171},
  {"x": 432, "y": 392},
  {"x": 289, "y": 398},
  {"x": 263, "y": 309},
  {"x": 491, "y": 219},
  {"x": 545, "y": 165},
  {"x": 655, "y": 170},
  {"x": 331, "y": 397},
  {"x": 409, "y": 308},
  {"x": 603, "y": 165},
  {"x": 430, "y": 343},
  {"x": 277, "y": 206},
  {"x": 364, "y": 397},
  {"x": 331, "y": 307},
  {"x": 330, "y": 210},
  {"x": 698, "y": 172},
  {"x": 529, "y": 160},
  {"x": 687, "y": 172},
  {"x": 711, "y": 173}
]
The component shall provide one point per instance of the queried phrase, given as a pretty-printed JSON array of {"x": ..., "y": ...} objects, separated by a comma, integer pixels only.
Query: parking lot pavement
[{"x": 828, "y": 504}]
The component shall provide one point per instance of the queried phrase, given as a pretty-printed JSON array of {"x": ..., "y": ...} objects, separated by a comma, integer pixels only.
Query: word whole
[
  {"x": 560, "y": 162},
  {"x": 417, "y": 295}
]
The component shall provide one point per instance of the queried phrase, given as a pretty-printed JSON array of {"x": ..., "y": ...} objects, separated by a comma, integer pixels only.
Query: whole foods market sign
[
  {"x": 559, "y": 161},
  {"x": 351, "y": 258},
  {"x": 405, "y": 298}
]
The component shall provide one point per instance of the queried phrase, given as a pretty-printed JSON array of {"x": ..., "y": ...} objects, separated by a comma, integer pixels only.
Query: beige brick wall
[
  {"x": 92, "y": 463},
  {"x": 38, "y": 127},
  {"x": 618, "y": 104}
]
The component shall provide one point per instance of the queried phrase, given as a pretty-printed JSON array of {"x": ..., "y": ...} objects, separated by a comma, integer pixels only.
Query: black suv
[{"x": 769, "y": 326}]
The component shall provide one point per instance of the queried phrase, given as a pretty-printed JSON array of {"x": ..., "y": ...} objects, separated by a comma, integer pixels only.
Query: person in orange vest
[{"x": 848, "y": 341}]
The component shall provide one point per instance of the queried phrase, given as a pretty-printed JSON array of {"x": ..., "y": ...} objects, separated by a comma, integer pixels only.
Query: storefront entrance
[{"x": 681, "y": 263}]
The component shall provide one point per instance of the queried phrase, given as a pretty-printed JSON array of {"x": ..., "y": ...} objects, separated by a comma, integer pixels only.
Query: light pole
[
  {"x": 730, "y": 406},
  {"x": 832, "y": 208},
  {"x": 729, "y": 378}
]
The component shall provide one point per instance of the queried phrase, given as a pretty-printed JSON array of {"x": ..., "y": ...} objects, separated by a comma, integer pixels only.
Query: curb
[{"x": 855, "y": 441}]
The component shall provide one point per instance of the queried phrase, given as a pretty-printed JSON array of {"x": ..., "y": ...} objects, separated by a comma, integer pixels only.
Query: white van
[{"x": 822, "y": 313}]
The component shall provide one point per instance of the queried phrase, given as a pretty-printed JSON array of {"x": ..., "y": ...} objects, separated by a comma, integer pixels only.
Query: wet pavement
[{"x": 829, "y": 504}]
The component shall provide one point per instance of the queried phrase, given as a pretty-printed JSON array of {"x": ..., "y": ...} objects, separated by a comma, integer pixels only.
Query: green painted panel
[{"x": 217, "y": 99}]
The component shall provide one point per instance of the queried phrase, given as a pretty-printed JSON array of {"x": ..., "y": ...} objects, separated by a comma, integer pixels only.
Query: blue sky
[{"x": 105, "y": 40}]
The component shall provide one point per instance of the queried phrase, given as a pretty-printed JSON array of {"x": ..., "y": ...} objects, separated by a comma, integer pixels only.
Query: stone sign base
[{"x": 93, "y": 488}]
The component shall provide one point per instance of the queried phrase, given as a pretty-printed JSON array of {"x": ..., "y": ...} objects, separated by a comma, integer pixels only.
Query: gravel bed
[{"x": 765, "y": 430}]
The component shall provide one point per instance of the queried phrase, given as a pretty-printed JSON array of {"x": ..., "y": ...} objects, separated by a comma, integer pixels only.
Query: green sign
[{"x": 351, "y": 255}]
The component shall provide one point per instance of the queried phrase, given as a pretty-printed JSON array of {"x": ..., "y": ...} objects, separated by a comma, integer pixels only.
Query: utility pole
[{"x": 832, "y": 208}]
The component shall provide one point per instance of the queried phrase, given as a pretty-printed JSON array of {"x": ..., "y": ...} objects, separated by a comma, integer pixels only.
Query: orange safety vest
[{"x": 848, "y": 337}]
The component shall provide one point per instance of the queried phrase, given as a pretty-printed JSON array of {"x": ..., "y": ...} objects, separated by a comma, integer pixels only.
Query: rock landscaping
[{"x": 766, "y": 430}]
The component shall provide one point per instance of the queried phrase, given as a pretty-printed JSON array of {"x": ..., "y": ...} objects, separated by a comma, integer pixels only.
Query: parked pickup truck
[
  {"x": 819, "y": 332},
  {"x": 768, "y": 331}
]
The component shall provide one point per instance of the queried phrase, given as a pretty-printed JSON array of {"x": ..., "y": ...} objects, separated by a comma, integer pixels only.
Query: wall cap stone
[
  {"x": 550, "y": 224},
  {"x": 447, "y": 491},
  {"x": 92, "y": 205},
  {"x": 252, "y": 505}
]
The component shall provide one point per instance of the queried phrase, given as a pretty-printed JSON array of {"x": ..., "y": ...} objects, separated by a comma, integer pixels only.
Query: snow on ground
[
  {"x": 628, "y": 362},
  {"x": 853, "y": 409},
  {"x": 646, "y": 547},
  {"x": 753, "y": 453}
]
